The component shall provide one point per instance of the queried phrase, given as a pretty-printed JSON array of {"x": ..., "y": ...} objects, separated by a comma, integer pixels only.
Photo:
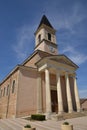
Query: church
[{"x": 44, "y": 83}]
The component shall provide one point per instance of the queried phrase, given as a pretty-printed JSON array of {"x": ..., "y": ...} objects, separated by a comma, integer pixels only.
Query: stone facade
[
  {"x": 83, "y": 103},
  {"x": 44, "y": 83}
]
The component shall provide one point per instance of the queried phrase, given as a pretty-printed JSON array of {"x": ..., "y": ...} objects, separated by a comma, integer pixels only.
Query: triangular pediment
[{"x": 62, "y": 59}]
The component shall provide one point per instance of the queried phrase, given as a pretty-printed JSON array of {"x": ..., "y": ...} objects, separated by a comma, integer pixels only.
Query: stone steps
[
  {"x": 10, "y": 125},
  {"x": 68, "y": 115},
  {"x": 73, "y": 115},
  {"x": 18, "y": 123}
]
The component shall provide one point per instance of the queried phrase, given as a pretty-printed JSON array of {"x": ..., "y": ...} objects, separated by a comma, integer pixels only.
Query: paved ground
[{"x": 18, "y": 123}]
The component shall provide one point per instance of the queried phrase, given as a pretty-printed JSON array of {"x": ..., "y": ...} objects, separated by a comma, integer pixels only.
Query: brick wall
[
  {"x": 8, "y": 101},
  {"x": 27, "y": 92}
]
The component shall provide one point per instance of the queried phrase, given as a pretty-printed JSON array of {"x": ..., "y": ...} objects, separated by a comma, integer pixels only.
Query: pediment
[{"x": 62, "y": 59}]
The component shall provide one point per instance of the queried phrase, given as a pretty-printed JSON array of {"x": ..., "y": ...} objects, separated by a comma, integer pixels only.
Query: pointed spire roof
[{"x": 45, "y": 21}]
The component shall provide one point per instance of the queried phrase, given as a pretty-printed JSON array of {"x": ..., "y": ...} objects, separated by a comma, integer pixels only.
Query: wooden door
[{"x": 54, "y": 101}]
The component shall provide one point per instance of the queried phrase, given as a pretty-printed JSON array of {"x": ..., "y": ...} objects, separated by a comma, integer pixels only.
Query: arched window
[
  {"x": 49, "y": 36},
  {"x": 13, "y": 86},
  {"x": 39, "y": 38}
]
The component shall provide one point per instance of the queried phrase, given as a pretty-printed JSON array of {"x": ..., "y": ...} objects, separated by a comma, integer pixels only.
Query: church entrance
[{"x": 54, "y": 102}]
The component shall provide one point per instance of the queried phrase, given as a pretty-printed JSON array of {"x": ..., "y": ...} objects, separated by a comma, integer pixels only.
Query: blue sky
[{"x": 19, "y": 20}]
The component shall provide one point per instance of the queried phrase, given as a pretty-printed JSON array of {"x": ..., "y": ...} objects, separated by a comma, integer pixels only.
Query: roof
[
  {"x": 15, "y": 69},
  {"x": 45, "y": 21},
  {"x": 41, "y": 53},
  {"x": 10, "y": 73},
  {"x": 82, "y": 100}
]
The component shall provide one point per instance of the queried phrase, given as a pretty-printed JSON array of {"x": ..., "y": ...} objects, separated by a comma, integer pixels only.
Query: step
[{"x": 64, "y": 116}]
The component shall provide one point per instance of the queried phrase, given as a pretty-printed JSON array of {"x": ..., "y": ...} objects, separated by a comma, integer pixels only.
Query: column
[
  {"x": 59, "y": 95},
  {"x": 68, "y": 93},
  {"x": 48, "y": 93},
  {"x": 39, "y": 95},
  {"x": 76, "y": 95}
]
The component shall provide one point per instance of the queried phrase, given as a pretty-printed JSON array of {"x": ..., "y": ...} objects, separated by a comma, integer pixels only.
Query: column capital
[
  {"x": 58, "y": 74},
  {"x": 47, "y": 68},
  {"x": 66, "y": 74},
  {"x": 74, "y": 76}
]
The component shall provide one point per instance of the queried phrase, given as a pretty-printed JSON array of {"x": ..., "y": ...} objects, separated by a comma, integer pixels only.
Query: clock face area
[{"x": 52, "y": 49}]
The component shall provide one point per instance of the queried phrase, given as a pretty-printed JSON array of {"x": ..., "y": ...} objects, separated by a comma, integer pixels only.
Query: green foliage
[
  {"x": 66, "y": 123},
  {"x": 27, "y": 126},
  {"x": 38, "y": 117}
]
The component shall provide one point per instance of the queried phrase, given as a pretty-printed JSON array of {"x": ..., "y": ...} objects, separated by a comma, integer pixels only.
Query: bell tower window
[
  {"x": 49, "y": 36},
  {"x": 39, "y": 38}
]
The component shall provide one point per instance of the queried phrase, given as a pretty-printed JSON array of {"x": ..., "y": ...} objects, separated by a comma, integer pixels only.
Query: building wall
[
  {"x": 41, "y": 46},
  {"x": 42, "y": 33},
  {"x": 8, "y": 101},
  {"x": 84, "y": 105},
  {"x": 32, "y": 61},
  {"x": 27, "y": 92}
]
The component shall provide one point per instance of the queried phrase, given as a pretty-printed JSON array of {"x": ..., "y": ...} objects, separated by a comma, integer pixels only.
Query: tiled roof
[{"x": 82, "y": 100}]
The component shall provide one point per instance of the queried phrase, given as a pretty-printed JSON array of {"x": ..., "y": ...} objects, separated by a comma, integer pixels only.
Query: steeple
[
  {"x": 45, "y": 21},
  {"x": 45, "y": 38}
]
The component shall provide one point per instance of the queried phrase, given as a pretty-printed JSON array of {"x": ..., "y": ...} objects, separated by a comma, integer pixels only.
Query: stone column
[
  {"x": 76, "y": 95},
  {"x": 39, "y": 95},
  {"x": 68, "y": 93},
  {"x": 59, "y": 95},
  {"x": 48, "y": 93}
]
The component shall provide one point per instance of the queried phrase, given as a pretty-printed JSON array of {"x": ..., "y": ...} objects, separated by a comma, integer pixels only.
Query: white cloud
[
  {"x": 69, "y": 18},
  {"x": 74, "y": 55},
  {"x": 68, "y": 21},
  {"x": 68, "y": 49},
  {"x": 24, "y": 41},
  {"x": 79, "y": 58},
  {"x": 83, "y": 93}
]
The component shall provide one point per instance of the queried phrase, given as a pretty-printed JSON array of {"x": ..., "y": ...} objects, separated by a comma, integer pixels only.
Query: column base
[
  {"x": 60, "y": 113},
  {"x": 48, "y": 115},
  {"x": 79, "y": 110},
  {"x": 70, "y": 111},
  {"x": 39, "y": 112}
]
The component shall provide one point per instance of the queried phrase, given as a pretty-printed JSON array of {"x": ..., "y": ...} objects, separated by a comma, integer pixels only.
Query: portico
[{"x": 65, "y": 87}]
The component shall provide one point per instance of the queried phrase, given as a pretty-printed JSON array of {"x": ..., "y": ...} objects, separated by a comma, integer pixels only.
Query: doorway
[{"x": 54, "y": 101}]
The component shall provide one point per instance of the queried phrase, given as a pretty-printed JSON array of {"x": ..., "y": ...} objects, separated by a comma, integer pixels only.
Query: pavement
[{"x": 79, "y": 123}]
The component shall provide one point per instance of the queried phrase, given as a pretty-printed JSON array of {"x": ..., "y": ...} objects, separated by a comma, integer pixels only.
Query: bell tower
[{"x": 45, "y": 38}]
